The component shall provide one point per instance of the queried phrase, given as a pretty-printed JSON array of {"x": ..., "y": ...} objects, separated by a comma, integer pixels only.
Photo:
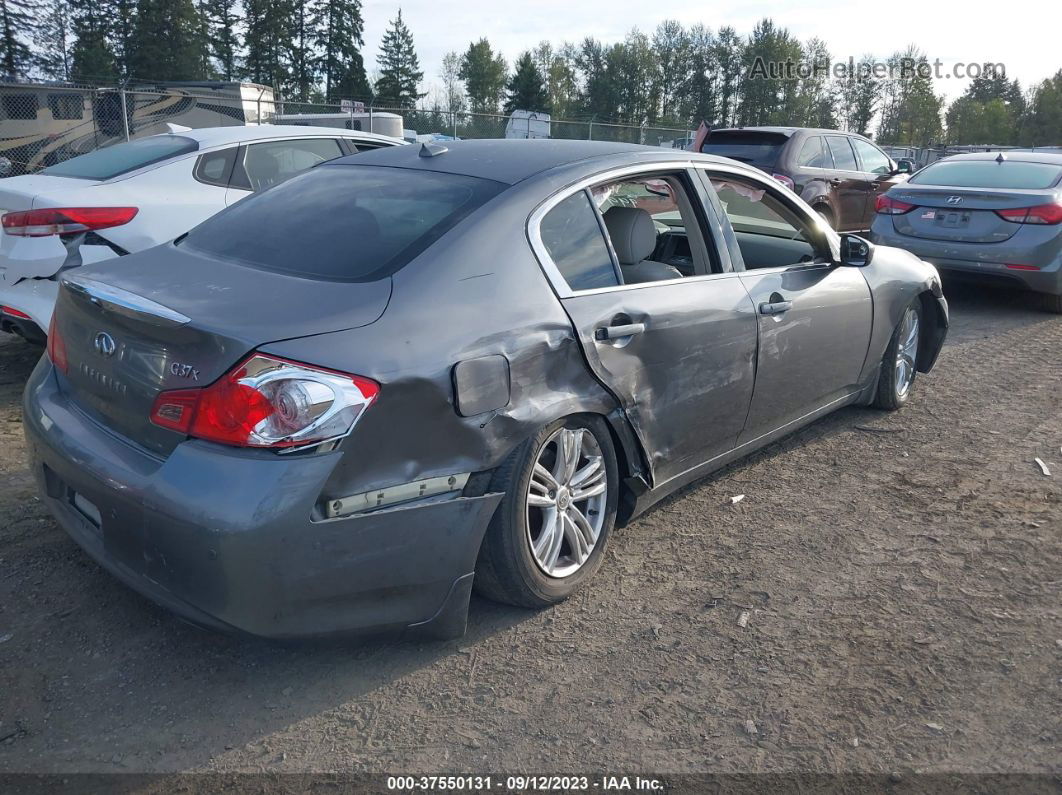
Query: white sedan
[{"x": 131, "y": 196}]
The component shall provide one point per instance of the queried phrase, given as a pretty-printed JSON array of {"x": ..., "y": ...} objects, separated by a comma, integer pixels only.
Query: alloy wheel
[
  {"x": 906, "y": 352},
  {"x": 566, "y": 499}
]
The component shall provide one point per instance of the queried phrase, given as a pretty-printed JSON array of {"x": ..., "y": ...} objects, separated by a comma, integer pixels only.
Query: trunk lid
[
  {"x": 961, "y": 214},
  {"x": 172, "y": 319}
]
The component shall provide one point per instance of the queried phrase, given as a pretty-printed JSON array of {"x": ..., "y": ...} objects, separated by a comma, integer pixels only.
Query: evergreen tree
[
  {"x": 122, "y": 26},
  {"x": 268, "y": 30},
  {"x": 526, "y": 89},
  {"x": 302, "y": 50},
  {"x": 168, "y": 42},
  {"x": 91, "y": 58},
  {"x": 484, "y": 74},
  {"x": 52, "y": 41},
  {"x": 17, "y": 20},
  {"x": 341, "y": 37},
  {"x": 400, "y": 73},
  {"x": 222, "y": 18}
]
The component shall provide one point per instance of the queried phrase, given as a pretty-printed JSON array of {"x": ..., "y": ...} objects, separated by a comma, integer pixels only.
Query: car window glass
[
  {"x": 653, "y": 228},
  {"x": 812, "y": 154},
  {"x": 843, "y": 156},
  {"x": 117, "y": 159},
  {"x": 342, "y": 222},
  {"x": 572, "y": 236},
  {"x": 213, "y": 167},
  {"x": 873, "y": 159},
  {"x": 1010, "y": 174},
  {"x": 271, "y": 162},
  {"x": 768, "y": 232},
  {"x": 20, "y": 105},
  {"x": 66, "y": 106}
]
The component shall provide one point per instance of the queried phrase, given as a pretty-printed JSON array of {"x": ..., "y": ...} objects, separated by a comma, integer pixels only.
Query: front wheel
[
  {"x": 549, "y": 534},
  {"x": 898, "y": 365}
]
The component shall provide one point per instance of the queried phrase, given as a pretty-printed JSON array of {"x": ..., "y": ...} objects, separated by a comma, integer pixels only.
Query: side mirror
[
  {"x": 905, "y": 166},
  {"x": 6, "y": 167},
  {"x": 856, "y": 252}
]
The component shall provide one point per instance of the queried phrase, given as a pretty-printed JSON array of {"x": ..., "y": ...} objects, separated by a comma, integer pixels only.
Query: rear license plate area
[
  {"x": 953, "y": 220},
  {"x": 88, "y": 510}
]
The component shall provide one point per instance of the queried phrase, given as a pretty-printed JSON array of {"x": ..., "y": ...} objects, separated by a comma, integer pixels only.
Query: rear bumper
[
  {"x": 35, "y": 297},
  {"x": 976, "y": 261},
  {"x": 226, "y": 540}
]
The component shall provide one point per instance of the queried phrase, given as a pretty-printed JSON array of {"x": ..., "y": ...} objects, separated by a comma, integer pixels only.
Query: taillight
[
  {"x": 10, "y": 310},
  {"x": 56, "y": 346},
  {"x": 268, "y": 402},
  {"x": 1040, "y": 214},
  {"x": 65, "y": 220},
  {"x": 1016, "y": 267},
  {"x": 886, "y": 205},
  {"x": 787, "y": 181}
]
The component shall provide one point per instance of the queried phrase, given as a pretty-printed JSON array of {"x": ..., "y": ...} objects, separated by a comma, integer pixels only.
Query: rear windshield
[
  {"x": 113, "y": 161},
  {"x": 761, "y": 148},
  {"x": 989, "y": 174},
  {"x": 342, "y": 222}
]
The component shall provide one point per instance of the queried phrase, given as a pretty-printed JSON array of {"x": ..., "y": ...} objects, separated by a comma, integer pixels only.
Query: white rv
[{"x": 379, "y": 122}]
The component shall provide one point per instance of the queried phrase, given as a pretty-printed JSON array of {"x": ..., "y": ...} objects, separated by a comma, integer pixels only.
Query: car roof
[
  {"x": 791, "y": 130},
  {"x": 219, "y": 136},
  {"x": 1052, "y": 158},
  {"x": 502, "y": 160}
]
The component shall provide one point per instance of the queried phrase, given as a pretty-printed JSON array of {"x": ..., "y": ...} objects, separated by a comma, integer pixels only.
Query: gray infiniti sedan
[
  {"x": 987, "y": 216},
  {"x": 346, "y": 402}
]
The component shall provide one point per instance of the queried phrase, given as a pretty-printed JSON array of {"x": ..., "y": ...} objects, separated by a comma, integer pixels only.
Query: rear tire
[
  {"x": 827, "y": 216},
  {"x": 1051, "y": 303},
  {"x": 539, "y": 554},
  {"x": 897, "y": 375}
]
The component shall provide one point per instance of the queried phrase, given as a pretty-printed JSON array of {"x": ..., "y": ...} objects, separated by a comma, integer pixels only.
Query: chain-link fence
[{"x": 42, "y": 124}]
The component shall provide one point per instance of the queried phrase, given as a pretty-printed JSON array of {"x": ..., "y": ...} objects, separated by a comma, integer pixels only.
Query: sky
[{"x": 968, "y": 32}]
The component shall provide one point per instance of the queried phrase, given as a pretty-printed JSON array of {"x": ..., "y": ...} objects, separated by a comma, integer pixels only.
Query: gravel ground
[{"x": 901, "y": 576}]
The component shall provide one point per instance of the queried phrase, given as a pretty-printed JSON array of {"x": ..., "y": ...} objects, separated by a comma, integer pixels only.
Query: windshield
[
  {"x": 113, "y": 161},
  {"x": 1010, "y": 174},
  {"x": 342, "y": 222}
]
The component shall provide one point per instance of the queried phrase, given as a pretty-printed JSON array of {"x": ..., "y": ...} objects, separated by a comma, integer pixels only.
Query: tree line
[{"x": 676, "y": 76}]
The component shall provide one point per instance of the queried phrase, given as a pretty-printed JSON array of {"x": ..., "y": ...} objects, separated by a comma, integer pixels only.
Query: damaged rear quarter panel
[{"x": 477, "y": 292}]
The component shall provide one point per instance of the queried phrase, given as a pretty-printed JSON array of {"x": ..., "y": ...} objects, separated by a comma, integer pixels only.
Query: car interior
[
  {"x": 653, "y": 229},
  {"x": 769, "y": 234}
]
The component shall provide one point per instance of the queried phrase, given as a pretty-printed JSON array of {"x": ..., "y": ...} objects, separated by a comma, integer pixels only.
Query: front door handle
[
  {"x": 618, "y": 332},
  {"x": 775, "y": 307}
]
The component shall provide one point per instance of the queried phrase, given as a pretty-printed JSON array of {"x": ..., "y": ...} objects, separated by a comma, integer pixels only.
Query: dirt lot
[{"x": 902, "y": 575}]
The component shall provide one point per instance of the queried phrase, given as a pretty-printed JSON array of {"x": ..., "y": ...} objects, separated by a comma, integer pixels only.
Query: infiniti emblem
[
  {"x": 955, "y": 200},
  {"x": 104, "y": 344}
]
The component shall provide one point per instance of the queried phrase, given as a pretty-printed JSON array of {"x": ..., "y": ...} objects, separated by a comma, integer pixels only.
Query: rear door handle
[
  {"x": 775, "y": 307},
  {"x": 618, "y": 332}
]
